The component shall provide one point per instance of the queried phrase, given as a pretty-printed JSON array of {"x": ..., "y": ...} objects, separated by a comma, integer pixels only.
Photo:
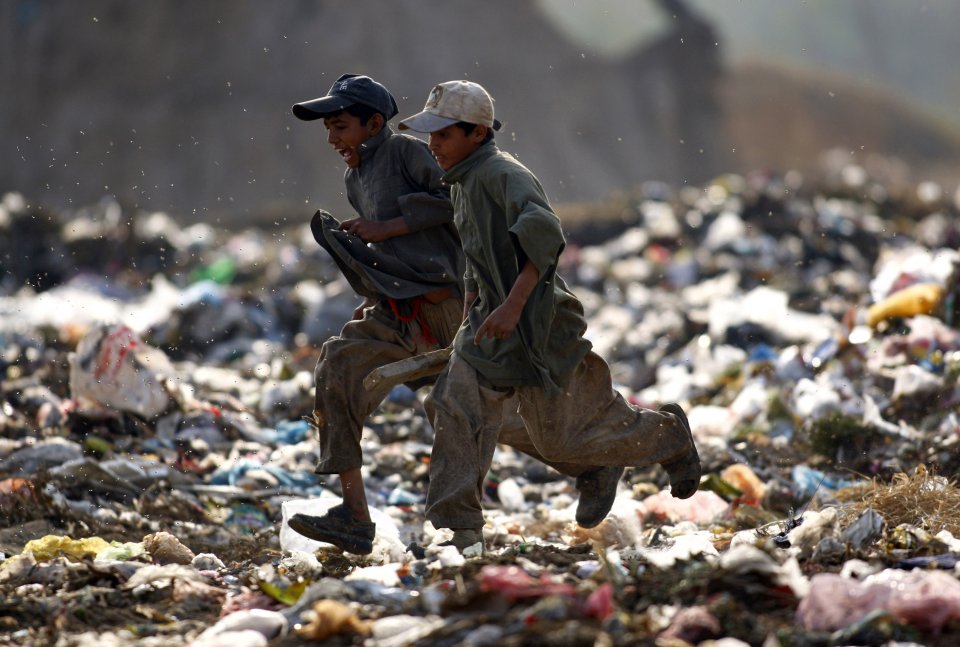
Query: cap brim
[
  {"x": 319, "y": 108},
  {"x": 426, "y": 122}
]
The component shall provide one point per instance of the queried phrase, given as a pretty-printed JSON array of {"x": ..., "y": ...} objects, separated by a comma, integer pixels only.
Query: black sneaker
[
  {"x": 464, "y": 538},
  {"x": 337, "y": 527},
  {"x": 685, "y": 472},
  {"x": 598, "y": 489}
]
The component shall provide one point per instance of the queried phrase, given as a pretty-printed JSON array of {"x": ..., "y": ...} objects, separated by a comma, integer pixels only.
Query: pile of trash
[{"x": 155, "y": 380}]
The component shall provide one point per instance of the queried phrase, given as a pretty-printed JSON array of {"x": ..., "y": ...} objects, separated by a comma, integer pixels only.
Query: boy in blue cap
[
  {"x": 403, "y": 255},
  {"x": 523, "y": 332}
]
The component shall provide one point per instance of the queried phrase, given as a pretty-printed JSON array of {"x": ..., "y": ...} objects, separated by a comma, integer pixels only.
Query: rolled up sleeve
[{"x": 536, "y": 227}]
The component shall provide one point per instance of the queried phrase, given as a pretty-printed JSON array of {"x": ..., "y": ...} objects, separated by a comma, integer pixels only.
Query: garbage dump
[{"x": 153, "y": 441}]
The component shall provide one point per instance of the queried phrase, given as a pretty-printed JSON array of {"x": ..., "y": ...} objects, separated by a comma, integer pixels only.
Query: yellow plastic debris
[
  {"x": 919, "y": 299},
  {"x": 51, "y": 546},
  {"x": 288, "y": 595}
]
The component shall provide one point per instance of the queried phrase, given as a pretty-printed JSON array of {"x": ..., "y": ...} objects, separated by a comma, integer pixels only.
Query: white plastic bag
[{"x": 114, "y": 368}]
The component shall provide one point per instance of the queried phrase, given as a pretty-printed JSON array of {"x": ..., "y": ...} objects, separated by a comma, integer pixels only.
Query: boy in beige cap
[{"x": 523, "y": 333}]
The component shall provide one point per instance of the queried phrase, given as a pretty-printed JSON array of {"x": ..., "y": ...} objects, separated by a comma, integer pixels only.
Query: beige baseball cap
[{"x": 451, "y": 102}]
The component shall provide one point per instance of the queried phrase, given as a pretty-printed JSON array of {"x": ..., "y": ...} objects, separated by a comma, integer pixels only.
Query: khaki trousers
[
  {"x": 341, "y": 403},
  {"x": 589, "y": 424}
]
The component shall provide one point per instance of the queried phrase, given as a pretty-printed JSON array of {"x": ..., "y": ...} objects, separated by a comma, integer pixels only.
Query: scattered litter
[{"x": 155, "y": 437}]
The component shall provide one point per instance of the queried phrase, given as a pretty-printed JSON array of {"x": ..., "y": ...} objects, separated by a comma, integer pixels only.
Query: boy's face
[
  {"x": 346, "y": 134},
  {"x": 451, "y": 145}
]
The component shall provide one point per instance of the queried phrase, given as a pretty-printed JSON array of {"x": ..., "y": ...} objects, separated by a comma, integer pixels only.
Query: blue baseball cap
[{"x": 346, "y": 91}]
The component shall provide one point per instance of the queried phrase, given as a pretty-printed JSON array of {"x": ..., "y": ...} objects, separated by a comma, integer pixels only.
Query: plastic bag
[{"x": 113, "y": 367}]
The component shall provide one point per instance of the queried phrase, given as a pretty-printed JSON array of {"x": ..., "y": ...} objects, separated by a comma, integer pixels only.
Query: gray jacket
[{"x": 397, "y": 177}]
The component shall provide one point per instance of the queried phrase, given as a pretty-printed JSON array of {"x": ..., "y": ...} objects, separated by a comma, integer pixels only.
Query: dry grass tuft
[{"x": 922, "y": 499}]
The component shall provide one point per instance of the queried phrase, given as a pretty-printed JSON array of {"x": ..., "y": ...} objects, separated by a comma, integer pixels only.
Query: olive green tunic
[{"x": 504, "y": 219}]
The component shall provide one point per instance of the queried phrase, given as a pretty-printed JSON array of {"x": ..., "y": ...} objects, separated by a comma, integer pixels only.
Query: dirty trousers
[
  {"x": 589, "y": 424},
  {"x": 341, "y": 402}
]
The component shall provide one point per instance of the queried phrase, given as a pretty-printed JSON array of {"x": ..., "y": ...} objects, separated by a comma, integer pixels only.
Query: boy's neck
[
  {"x": 370, "y": 146},
  {"x": 458, "y": 170}
]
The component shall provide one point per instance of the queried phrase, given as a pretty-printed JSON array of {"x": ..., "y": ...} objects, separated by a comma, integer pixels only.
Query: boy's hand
[
  {"x": 374, "y": 231},
  {"x": 499, "y": 324},
  {"x": 367, "y": 303}
]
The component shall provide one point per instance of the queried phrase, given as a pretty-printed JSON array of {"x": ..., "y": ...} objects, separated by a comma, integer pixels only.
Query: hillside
[
  {"x": 184, "y": 107},
  {"x": 786, "y": 118}
]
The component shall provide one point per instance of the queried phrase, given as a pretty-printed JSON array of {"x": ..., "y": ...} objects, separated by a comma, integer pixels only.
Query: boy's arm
[
  {"x": 501, "y": 323},
  {"x": 533, "y": 225}
]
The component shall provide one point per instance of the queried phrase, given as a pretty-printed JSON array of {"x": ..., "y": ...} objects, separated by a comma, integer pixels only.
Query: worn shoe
[
  {"x": 337, "y": 527},
  {"x": 598, "y": 489},
  {"x": 685, "y": 472},
  {"x": 464, "y": 538}
]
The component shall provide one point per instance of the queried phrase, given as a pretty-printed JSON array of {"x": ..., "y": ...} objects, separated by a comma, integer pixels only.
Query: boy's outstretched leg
[{"x": 592, "y": 424}]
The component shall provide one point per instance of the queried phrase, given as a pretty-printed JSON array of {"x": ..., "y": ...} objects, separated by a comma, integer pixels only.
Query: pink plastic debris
[
  {"x": 514, "y": 583},
  {"x": 924, "y": 599},
  {"x": 692, "y": 625},
  {"x": 599, "y": 604},
  {"x": 704, "y": 506}
]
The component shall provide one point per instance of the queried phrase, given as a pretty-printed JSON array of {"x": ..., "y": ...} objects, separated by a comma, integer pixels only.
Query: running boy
[
  {"x": 523, "y": 333},
  {"x": 403, "y": 255}
]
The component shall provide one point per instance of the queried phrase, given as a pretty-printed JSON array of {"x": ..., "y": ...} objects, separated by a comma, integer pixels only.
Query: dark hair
[
  {"x": 468, "y": 128},
  {"x": 361, "y": 111}
]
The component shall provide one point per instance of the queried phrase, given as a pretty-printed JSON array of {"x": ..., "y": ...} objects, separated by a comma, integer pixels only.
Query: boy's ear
[
  {"x": 479, "y": 133},
  {"x": 375, "y": 123}
]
